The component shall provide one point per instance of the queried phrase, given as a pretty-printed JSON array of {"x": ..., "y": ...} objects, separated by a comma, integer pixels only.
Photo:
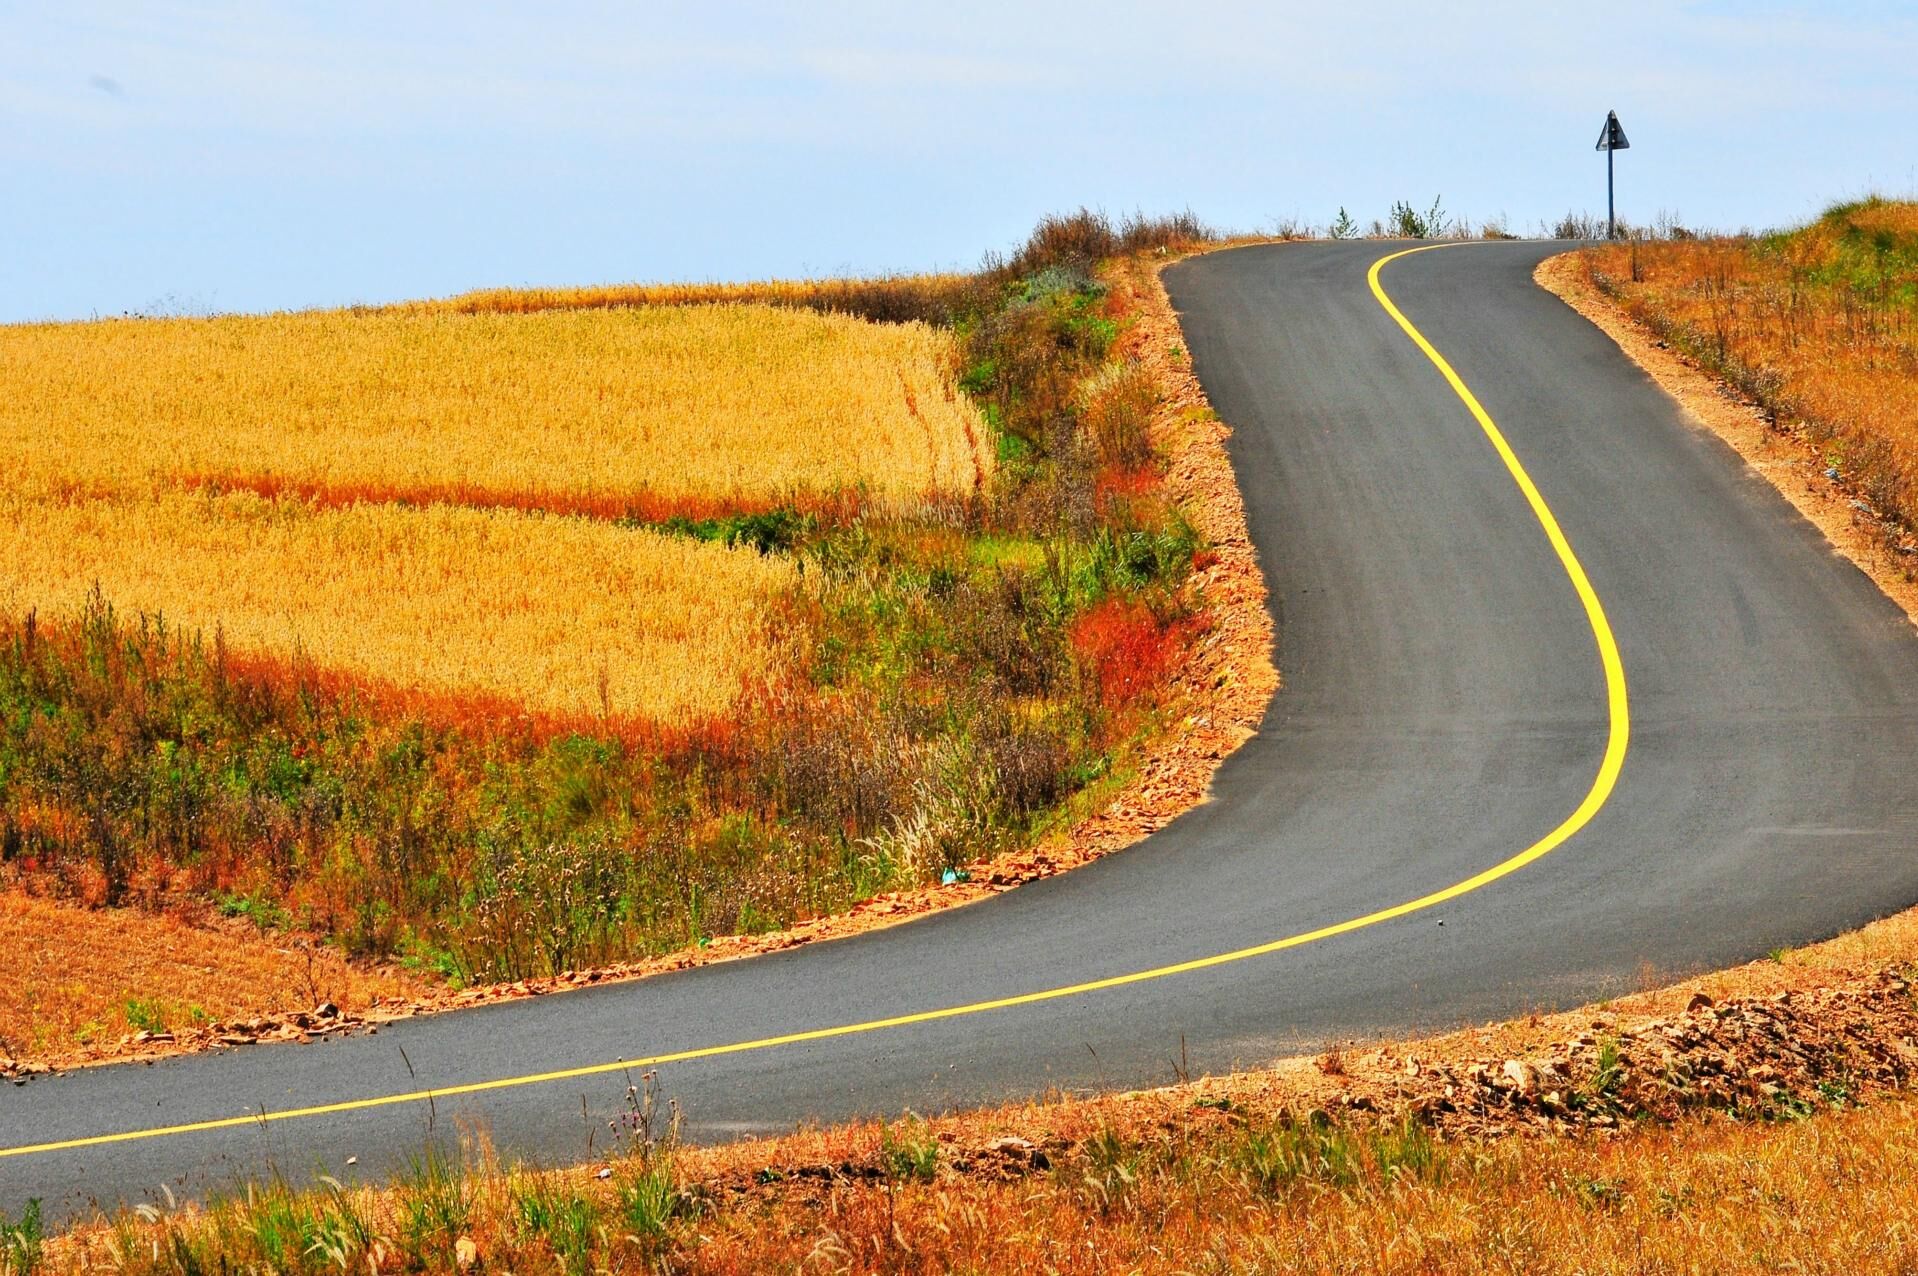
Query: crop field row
[
  {"x": 613, "y": 408},
  {"x": 888, "y": 299},
  {"x": 1819, "y": 325},
  {"x": 375, "y": 494},
  {"x": 565, "y": 616}
]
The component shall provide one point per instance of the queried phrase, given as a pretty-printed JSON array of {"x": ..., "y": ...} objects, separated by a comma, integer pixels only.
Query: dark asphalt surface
[{"x": 1444, "y": 707}]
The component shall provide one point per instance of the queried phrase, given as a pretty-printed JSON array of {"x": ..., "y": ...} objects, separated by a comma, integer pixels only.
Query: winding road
[{"x": 1639, "y": 715}]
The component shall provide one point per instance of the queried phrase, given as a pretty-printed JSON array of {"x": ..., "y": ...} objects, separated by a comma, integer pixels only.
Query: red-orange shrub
[{"x": 1125, "y": 647}]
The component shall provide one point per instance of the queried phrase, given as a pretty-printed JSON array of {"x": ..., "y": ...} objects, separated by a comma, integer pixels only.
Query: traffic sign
[{"x": 1612, "y": 136}]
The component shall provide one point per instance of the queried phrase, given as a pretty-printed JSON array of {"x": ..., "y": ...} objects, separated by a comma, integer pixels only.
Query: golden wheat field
[
  {"x": 898, "y": 293},
  {"x": 380, "y": 494},
  {"x": 564, "y": 615},
  {"x": 600, "y": 409}
]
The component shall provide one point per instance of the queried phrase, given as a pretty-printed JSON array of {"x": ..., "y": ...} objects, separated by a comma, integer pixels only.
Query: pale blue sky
[{"x": 258, "y": 156}]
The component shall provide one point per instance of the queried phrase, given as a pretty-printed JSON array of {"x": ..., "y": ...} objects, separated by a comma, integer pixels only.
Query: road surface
[{"x": 1736, "y": 779}]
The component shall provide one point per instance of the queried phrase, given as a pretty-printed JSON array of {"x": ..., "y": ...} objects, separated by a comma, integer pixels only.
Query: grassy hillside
[{"x": 1818, "y": 324}]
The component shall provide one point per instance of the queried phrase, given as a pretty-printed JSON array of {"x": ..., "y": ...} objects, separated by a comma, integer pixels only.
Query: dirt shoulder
[
  {"x": 1213, "y": 705},
  {"x": 1779, "y": 451},
  {"x": 1826, "y": 1026},
  {"x": 73, "y": 973}
]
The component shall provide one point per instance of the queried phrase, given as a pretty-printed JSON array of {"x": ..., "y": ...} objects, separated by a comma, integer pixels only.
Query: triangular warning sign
[{"x": 1612, "y": 136}]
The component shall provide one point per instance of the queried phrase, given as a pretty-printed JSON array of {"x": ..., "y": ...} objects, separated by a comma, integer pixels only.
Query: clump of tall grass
[
  {"x": 1081, "y": 240},
  {"x": 22, "y": 1241}
]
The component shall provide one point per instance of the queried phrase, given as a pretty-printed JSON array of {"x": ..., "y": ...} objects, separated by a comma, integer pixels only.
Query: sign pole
[
  {"x": 1611, "y": 205},
  {"x": 1611, "y": 138}
]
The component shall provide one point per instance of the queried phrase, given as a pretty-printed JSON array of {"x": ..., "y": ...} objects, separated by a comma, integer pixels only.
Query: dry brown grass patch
[
  {"x": 77, "y": 979},
  {"x": 1819, "y": 325}
]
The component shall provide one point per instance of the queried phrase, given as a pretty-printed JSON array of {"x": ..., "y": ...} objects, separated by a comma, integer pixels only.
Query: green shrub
[
  {"x": 22, "y": 1241},
  {"x": 909, "y": 1151},
  {"x": 549, "y": 1210}
]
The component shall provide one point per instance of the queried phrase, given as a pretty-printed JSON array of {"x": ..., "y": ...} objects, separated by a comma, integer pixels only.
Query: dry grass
[
  {"x": 723, "y": 403},
  {"x": 564, "y": 616},
  {"x": 1819, "y": 325},
  {"x": 78, "y": 979},
  {"x": 1828, "y": 1194}
]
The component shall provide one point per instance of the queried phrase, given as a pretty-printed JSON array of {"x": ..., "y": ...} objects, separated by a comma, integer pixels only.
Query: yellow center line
[{"x": 1602, "y": 785}]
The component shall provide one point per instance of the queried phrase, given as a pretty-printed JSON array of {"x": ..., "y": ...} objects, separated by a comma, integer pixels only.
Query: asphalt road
[{"x": 1444, "y": 708}]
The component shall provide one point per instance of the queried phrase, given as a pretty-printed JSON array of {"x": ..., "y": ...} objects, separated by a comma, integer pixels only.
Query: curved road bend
[{"x": 1444, "y": 709}]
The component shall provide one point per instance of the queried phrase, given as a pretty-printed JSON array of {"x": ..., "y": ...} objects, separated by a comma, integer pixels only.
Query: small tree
[{"x": 1344, "y": 227}]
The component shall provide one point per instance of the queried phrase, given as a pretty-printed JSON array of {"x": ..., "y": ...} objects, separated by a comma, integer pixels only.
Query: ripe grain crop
[
  {"x": 1818, "y": 324},
  {"x": 886, "y": 299},
  {"x": 563, "y": 615},
  {"x": 593, "y": 411}
]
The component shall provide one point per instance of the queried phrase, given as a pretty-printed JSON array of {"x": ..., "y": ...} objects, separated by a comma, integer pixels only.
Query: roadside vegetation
[
  {"x": 449, "y": 635},
  {"x": 1759, "y": 1119},
  {"x": 1818, "y": 325}
]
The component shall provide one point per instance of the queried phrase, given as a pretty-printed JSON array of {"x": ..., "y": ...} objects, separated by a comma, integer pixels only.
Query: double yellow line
[{"x": 1615, "y": 745}]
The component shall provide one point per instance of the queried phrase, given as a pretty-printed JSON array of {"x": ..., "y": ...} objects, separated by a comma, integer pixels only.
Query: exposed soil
[{"x": 70, "y": 972}]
